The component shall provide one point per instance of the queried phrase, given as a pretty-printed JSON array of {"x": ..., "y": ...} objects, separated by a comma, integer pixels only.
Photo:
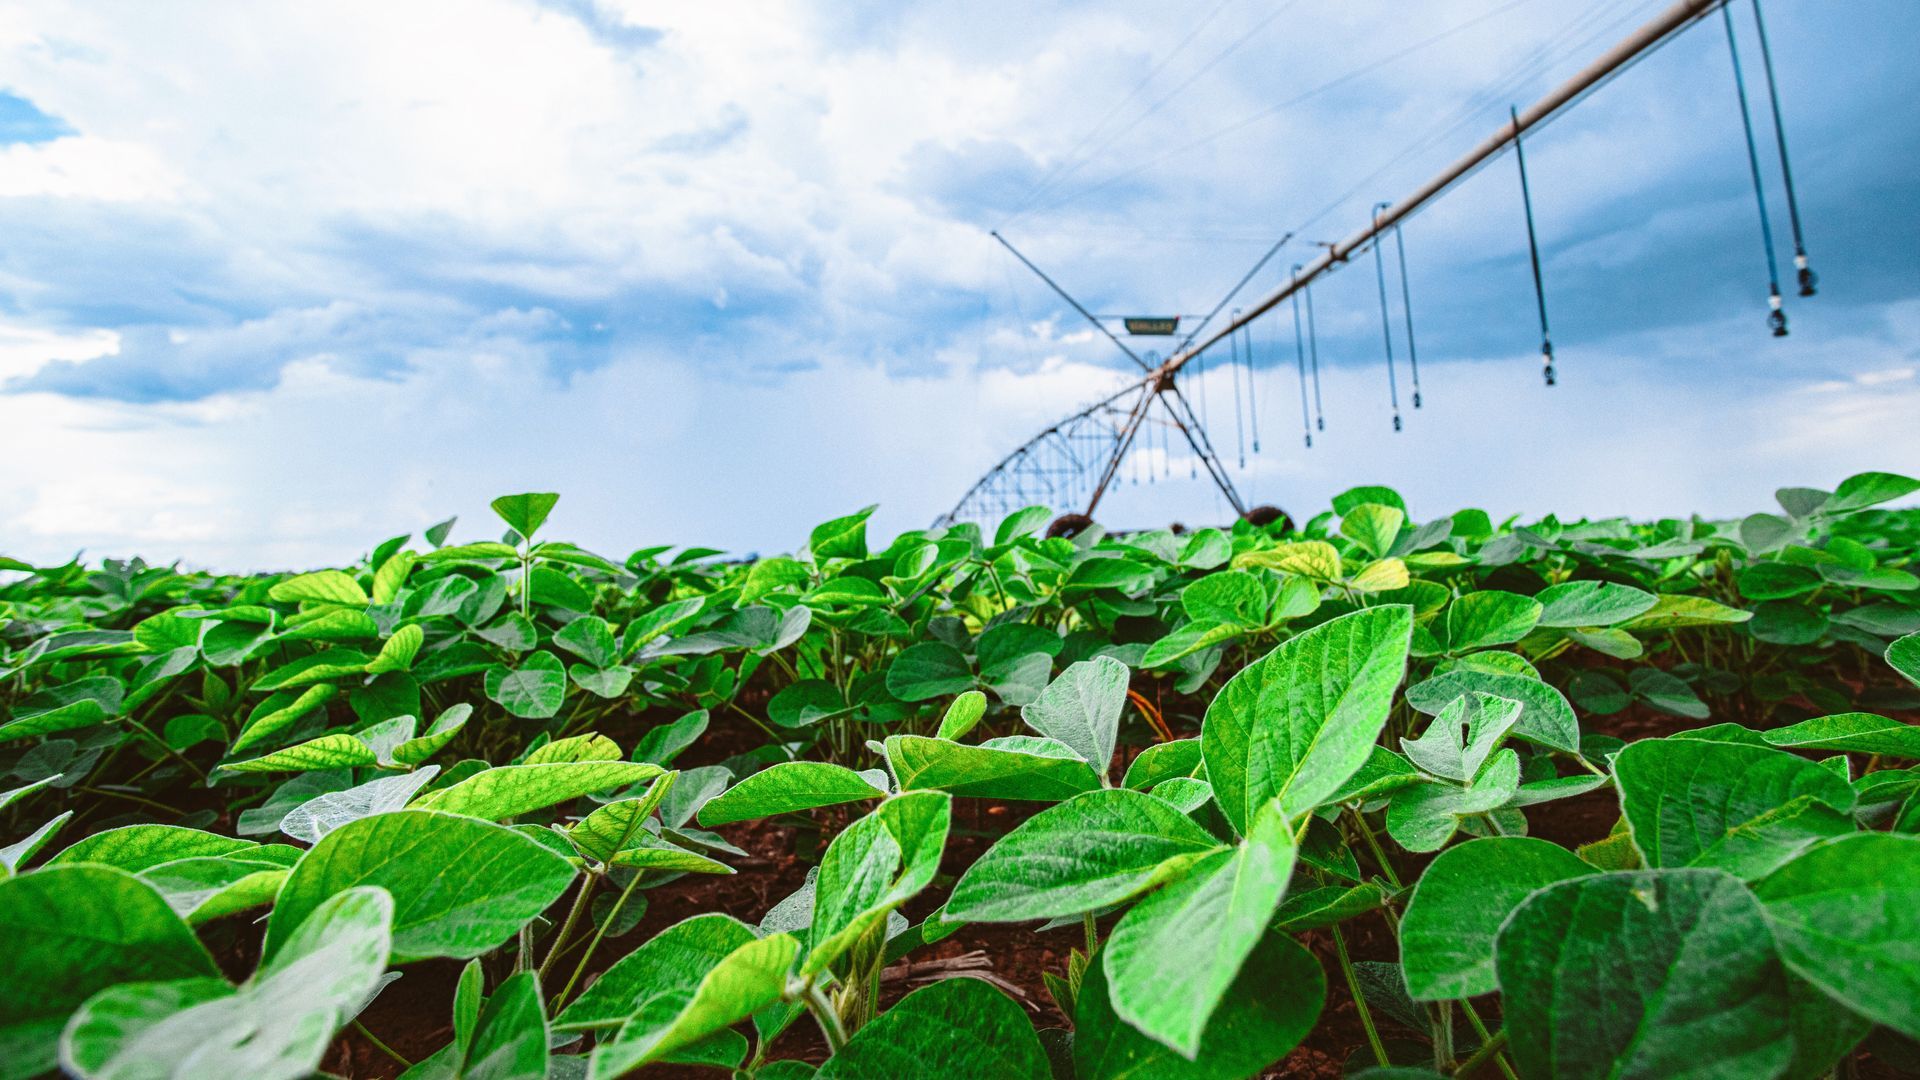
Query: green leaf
[
  {"x": 326, "y": 812},
  {"x": 525, "y": 514},
  {"x": 79, "y": 704},
  {"x": 1490, "y": 617},
  {"x": 664, "y": 743},
  {"x": 1082, "y": 709},
  {"x": 873, "y": 866},
  {"x": 1459, "y": 739},
  {"x": 1545, "y": 718},
  {"x": 1423, "y": 817},
  {"x": 1090, "y": 852},
  {"x": 1592, "y": 603},
  {"x": 278, "y": 713},
  {"x": 134, "y": 848},
  {"x": 1174, "y": 955},
  {"x": 1022, "y": 522},
  {"x": 601, "y": 834},
  {"x": 962, "y": 714},
  {"x": 1326, "y": 906},
  {"x": 430, "y": 742},
  {"x": 1163, "y": 761},
  {"x": 702, "y": 988},
  {"x": 72, "y": 931},
  {"x": 665, "y": 969},
  {"x": 532, "y": 691},
  {"x": 509, "y": 1036},
  {"x": 1447, "y": 935},
  {"x": 1777, "y": 581},
  {"x": 1314, "y": 559},
  {"x": 1674, "y": 611},
  {"x": 841, "y": 538},
  {"x": 1847, "y": 916},
  {"x": 317, "y": 667},
  {"x": 276, "y": 1027},
  {"x": 956, "y": 1029},
  {"x": 397, "y": 653},
  {"x": 460, "y": 886},
  {"x": 1267, "y": 1011},
  {"x": 929, "y": 669},
  {"x": 1699, "y": 803},
  {"x": 787, "y": 787},
  {"x": 806, "y": 703},
  {"x": 1657, "y": 973},
  {"x": 1866, "y": 489},
  {"x": 1230, "y": 596},
  {"x": 1856, "y": 732},
  {"x": 591, "y": 639},
  {"x": 1373, "y": 527},
  {"x": 588, "y": 746},
  {"x": 1018, "y": 767},
  {"x": 1298, "y": 722},
  {"x": 336, "y": 751},
  {"x": 511, "y": 790},
  {"x": 319, "y": 587},
  {"x": 1904, "y": 655}
]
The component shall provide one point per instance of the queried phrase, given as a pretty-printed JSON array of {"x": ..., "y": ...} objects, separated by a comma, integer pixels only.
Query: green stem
[
  {"x": 1373, "y": 845},
  {"x": 1480, "y": 1029},
  {"x": 1441, "y": 1017},
  {"x": 380, "y": 1046},
  {"x": 1488, "y": 1049},
  {"x": 566, "y": 928},
  {"x": 1092, "y": 928},
  {"x": 1359, "y": 999},
  {"x": 612, "y": 917},
  {"x": 824, "y": 1015},
  {"x": 165, "y": 749},
  {"x": 163, "y": 807}
]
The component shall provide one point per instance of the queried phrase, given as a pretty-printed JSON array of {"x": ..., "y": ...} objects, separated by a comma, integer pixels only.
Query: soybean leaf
[
  {"x": 957, "y": 1029},
  {"x": 1269, "y": 1008},
  {"x": 787, "y": 787},
  {"x": 397, "y": 653},
  {"x": 278, "y": 713},
  {"x": 1545, "y": 718},
  {"x": 873, "y": 866},
  {"x": 1868, "y": 489},
  {"x": 591, "y": 639},
  {"x": 696, "y": 978},
  {"x": 524, "y": 514},
  {"x": 319, "y": 587},
  {"x": 929, "y": 669},
  {"x": 1490, "y": 617},
  {"x": 1173, "y": 956},
  {"x": 72, "y": 931},
  {"x": 1423, "y": 817},
  {"x": 1847, "y": 916},
  {"x": 962, "y": 714},
  {"x": 1904, "y": 655},
  {"x": 1459, "y": 739},
  {"x": 326, "y": 812},
  {"x": 1163, "y": 761},
  {"x": 664, "y": 743},
  {"x": 1327, "y": 906},
  {"x": 601, "y": 834},
  {"x": 460, "y": 886},
  {"x": 275, "y": 1027},
  {"x": 533, "y": 690},
  {"x": 843, "y": 537},
  {"x": 1592, "y": 603},
  {"x": 1857, "y": 732},
  {"x": 511, "y": 790},
  {"x": 1697, "y": 802},
  {"x": 1447, "y": 935},
  {"x": 338, "y": 750},
  {"x": 1088, "y": 853},
  {"x": 1653, "y": 973},
  {"x": 1372, "y": 526},
  {"x": 430, "y": 742},
  {"x": 134, "y": 848},
  {"x": 1302, "y": 719},
  {"x": 1018, "y": 767},
  {"x": 1082, "y": 709}
]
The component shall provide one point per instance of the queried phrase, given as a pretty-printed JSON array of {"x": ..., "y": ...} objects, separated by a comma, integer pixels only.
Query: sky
[{"x": 280, "y": 281}]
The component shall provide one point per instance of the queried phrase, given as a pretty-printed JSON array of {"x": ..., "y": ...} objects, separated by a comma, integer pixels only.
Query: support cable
[
  {"x": 1406, "y": 305},
  {"x": 1808, "y": 279},
  {"x": 1300, "y": 361},
  {"x": 1776, "y": 314},
  {"x": 1533, "y": 252},
  {"x": 1253, "y": 407},
  {"x": 1233, "y": 369},
  {"x": 1313, "y": 358},
  {"x": 1386, "y": 323}
]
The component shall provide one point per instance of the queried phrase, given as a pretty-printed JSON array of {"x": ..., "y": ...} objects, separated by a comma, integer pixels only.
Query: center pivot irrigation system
[{"x": 1075, "y": 461}]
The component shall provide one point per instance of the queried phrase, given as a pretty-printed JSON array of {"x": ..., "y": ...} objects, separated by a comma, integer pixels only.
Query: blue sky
[{"x": 276, "y": 283}]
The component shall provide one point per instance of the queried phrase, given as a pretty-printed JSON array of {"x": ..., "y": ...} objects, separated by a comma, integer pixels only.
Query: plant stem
[
  {"x": 1488, "y": 1049},
  {"x": 380, "y": 1046},
  {"x": 823, "y": 1014},
  {"x": 1480, "y": 1029},
  {"x": 566, "y": 928},
  {"x": 1092, "y": 928},
  {"x": 165, "y": 749},
  {"x": 1441, "y": 1016},
  {"x": 1359, "y": 999},
  {"x": 130, "y": 798},
  {"x": 1373, "y": 845},
  {"x": 580, "y": 968}
]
